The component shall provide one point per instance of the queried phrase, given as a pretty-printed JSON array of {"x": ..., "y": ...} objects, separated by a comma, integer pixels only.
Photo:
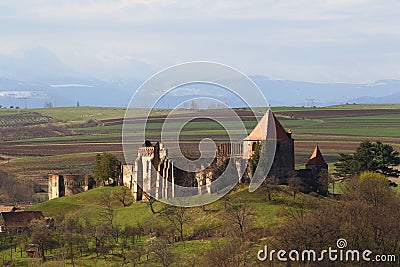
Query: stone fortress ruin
[{"x": 153, "y": 171}]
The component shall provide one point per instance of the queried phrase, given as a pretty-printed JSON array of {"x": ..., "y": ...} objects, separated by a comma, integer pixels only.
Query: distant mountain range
[
  {"x": 283, "y": 92},
  {"x": 389, "y": 99},
  {"x": 95, "y": 92}
]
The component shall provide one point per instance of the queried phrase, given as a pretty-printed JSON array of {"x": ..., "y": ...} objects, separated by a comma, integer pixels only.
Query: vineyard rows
[{"x": 23, "y": 119}]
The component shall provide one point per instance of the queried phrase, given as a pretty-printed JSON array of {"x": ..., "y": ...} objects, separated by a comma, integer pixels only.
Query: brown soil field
[
  {"x": 57, "y": 149},
  {"x": 245, "y": 115}
]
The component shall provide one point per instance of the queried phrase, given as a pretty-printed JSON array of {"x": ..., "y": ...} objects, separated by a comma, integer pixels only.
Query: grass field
[{"x": 81, "y": 113}]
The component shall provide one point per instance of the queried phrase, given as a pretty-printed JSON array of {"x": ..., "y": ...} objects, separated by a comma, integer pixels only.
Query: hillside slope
[{"x": 89, "y": 205}]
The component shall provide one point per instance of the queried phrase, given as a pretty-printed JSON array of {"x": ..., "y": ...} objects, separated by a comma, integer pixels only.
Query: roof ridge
[
  {"x": 259, "y": 132},
  {"x": 316, "y": 157}
]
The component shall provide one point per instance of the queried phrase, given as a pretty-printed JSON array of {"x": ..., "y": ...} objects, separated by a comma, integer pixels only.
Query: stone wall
[{"x": 68, "y": 184}]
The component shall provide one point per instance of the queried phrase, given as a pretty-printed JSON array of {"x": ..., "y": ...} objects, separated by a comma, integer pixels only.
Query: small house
[{"x": 18, "y": 220}]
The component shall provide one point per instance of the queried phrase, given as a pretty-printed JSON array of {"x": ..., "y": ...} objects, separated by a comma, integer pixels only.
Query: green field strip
[
  {"x": 364, "y": 106},
  {"x": 108, "y": 127},
  {"x": 364, "y": 118},
  {"x": 57, "y": 158},
  {"x": 7, "y": 111},
  {"x": 300, "y": 123},
  {"x": 367, "y": 131}
]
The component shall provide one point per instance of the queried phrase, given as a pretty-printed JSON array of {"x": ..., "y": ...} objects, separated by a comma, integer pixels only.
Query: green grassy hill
[
  {"x": 88, "y": 205},
  {"x": 266, "y": 215}
]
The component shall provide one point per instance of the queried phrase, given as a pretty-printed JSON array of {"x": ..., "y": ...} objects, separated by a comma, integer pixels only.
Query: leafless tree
[
  {"x": 135, "y": 254},
  {"x": 42, "y": 235},
  {"x": 238, "y": 212},
  {"x": 177, "y": 216},
  {"x": 150, "y": 202},
  {"x": 106, "y": 202},
  {"x": 270, "y": 184},
  {"x": 99, "y": 234},
  {"x": 332, "y": 180},
  {"x": 162, "y": 250},
  {"x": 367, "y": 216},
  {"x": 123, "y": 195},
  {"x": 15, "y": 192},
  {"x": 227, "y": 254},
  {"x": 295, "y": 184}
]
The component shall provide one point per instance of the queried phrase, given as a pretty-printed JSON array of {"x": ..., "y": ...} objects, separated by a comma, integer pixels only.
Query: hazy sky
[{"x": 309, "y": 40}]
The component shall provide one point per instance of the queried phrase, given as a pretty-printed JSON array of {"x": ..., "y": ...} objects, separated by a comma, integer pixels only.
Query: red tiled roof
[
  {"x": 259, "y": 133},
  {"x": 7, "y": 208},
  {"x": 316, "y": 158},
  {"x": 19, "y": 218}
]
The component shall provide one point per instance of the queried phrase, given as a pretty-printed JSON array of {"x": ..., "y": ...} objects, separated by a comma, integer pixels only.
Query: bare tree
[
  {"x": 107, "y": 213},
  {"x": 228, "y": 254},
  {"x": 295, "y": 184},
  {"x": 270, "y": 184},
  {"x": 162, "y": 250},
  {"x": 42, "y": 235},
  {"x": 136, "y": 253},
  {"x": 106, "y": 202},
  {"x": 238, "y": 212},
  {"x": 99, "y": 234},
  {"x": 150, "y": 202},
  {"x": 367, "y": 215},
  {"x": 15, "y": 192},
  {"x": 123, "y": 195},
  {"x": 332, "y": 180},
  {"x": 177, "y": 216}
]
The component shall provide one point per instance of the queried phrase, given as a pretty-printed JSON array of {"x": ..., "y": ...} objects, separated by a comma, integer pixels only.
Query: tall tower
[
  {"x": 319, "y": 171},
  {"x": 283, "y": 162},
  {"x": 317, "y": 161}
]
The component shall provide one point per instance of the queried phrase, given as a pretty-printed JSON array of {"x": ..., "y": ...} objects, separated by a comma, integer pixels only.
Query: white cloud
[
  {"x": 285, "y": 39},
  {"x": 70, "y": 85},
  {"x": 186, "y": 91}
]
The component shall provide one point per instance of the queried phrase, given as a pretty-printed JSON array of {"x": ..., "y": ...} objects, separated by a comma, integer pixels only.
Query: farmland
[{"x": 74, "y": 135}]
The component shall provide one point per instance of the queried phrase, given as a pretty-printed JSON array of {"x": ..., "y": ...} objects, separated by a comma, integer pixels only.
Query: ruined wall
[
  {"x": 55, "y": 186},
  {"x": 127, "y": 175},
  {"x": 68, "y": 184}
]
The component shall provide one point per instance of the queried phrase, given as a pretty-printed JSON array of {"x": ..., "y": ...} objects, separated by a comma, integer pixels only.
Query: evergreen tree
[
  {"x": 375, "y": 157},
  {"x": 385, "y": 157},
  {"x": 255, "y": 158},
  {"x": 345, "y": 166},
  {"x": 106, "y": 166}
]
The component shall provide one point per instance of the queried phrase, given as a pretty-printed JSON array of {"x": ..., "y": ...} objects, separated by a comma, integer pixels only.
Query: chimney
[{"x": 289, "y": 133}]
